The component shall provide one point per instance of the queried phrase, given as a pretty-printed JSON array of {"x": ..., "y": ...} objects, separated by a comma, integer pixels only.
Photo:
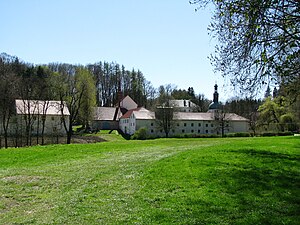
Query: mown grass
[{"x": 164, "y": 181}]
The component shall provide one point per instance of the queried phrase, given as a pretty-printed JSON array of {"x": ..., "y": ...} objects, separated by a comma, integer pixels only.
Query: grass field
[{"x": 163, "y": 181}]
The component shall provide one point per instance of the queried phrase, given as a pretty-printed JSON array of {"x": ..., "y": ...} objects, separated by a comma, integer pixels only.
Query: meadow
[{"x": 162, "y": 181}]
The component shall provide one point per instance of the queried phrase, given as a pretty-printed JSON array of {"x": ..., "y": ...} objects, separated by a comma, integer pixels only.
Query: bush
[
  {"x": 286, "y": 133},
  {"x": 268, "y": 134},
  {"x": 140, "y": 134}
]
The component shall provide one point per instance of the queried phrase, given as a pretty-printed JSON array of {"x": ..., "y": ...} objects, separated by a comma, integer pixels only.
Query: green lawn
[{"x": 163, "y": 181}]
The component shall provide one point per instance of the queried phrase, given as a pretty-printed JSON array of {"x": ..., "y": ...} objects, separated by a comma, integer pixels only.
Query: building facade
[
  {"x": 39, "y": 117},
  {"x": 184, "y": 120}
]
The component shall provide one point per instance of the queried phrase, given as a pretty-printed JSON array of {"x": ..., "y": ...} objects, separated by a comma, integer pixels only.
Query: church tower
[
  {"x": 216, "y": 94},
  {"x": 215, "y": 106}
]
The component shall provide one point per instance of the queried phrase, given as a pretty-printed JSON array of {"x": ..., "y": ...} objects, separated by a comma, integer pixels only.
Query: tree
[
  {"x": 86, "y": 83},
  {"x": 8, "y": 92},
  {"x": 258, "y": 41},
  {"x": 165, "y": 94},
  {"x": 180, "y": 94},
  {"x": 28, "y": 94},
  {"x": 164, "y": 118},
  {"x": 221, "y": 120},
  {"x": 70, "y": 88},
  {"x": 270, "y": 112},
  {"x": 164, "y": 114}
]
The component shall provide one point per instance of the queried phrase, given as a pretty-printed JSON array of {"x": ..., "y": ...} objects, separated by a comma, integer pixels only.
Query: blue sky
[{"x": 166, "y": 39}]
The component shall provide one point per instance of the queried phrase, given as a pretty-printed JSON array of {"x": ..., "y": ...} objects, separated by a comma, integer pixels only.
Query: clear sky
[{"x": 166, "y": 39}]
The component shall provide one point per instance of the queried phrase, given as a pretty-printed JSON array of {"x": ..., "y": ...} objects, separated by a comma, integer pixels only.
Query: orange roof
[{"x": 129, "y": 112}]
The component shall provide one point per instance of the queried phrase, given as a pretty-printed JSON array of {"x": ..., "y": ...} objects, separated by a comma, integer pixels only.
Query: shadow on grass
[
  {"x": 266, "y": 189},
  {"x": 245, "y": 186}
]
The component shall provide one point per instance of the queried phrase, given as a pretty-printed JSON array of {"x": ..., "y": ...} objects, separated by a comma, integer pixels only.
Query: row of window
[
  {"x": 183, "y": 131},
  {"x": 199, "y": 125},
  {"x": 192, "y": 125}
]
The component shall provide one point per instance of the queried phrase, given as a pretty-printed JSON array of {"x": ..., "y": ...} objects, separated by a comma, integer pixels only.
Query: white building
[
  {"x": 107, "y": 118},
  {"x": 137, "y": 118},
  {"x": 35, "y": 112},
  {"x": 185, "y": 121}
]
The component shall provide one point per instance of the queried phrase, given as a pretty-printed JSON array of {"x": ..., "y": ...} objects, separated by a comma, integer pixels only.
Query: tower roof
[{"x": 215, "y": 104}]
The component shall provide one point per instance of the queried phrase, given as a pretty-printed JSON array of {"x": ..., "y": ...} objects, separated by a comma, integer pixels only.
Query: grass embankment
[{"x": 174, "y": 181}]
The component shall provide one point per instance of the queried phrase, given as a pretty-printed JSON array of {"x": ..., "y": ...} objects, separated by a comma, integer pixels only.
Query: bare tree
[
  {"x": 8, "y": 92},
  {"x": 221, "y": 119},
  {"x": 164, "y": 116}
]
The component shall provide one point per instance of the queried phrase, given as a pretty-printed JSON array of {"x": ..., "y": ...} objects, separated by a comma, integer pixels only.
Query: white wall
[
  {"x": 53, "y": 125},
  {"x": 128, "y": 125}
]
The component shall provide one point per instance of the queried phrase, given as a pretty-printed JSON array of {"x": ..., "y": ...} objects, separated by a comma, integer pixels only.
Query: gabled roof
[
  {"x": 129, "y": 112},
  {"x": 128, "y": 103},
  {"x": 140, "y": 113},
  {"x": 107, "y": 113},
  {"x": 234, "y": 117},
  {"x": 206, "y": 116},
  {"x": 144, "y": 115},
  {"x": 192, "y": 116},
  {"x": 38, "y": 107}
]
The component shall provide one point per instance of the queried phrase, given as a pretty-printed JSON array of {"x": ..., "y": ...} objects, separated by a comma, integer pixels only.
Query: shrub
[
  {"x": 268, "y": 134},
  {"x": 242, "y": 134},
  {"x": 286, "y": 133},
  {"x": 140, "y": 134}
]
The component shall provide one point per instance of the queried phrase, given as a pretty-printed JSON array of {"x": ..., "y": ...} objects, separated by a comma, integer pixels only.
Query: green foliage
[
  {"x": 276, "y": 111},
  {"x": 140, "y": 134},
  {"x": 86, "y": 83},
  {"x": 163, "y": 181},
  {"x": 258, "y": 41},
  {"x": 271, "y": 134},
  {"x": 239, "y": 134}
]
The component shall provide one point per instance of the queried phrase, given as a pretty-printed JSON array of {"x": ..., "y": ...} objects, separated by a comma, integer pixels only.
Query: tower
[
  {"x": 216, "y": 94},
  {"x": 215, "y": 105}
]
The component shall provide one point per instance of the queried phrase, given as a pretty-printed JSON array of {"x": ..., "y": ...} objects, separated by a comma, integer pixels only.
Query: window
[
  {"x": 177, "y": 124},
  {"x": 192, "y": 131},
  {"x": 206, "y": 131},
  {"x": 152, "y": 131},
  {"x": 212, "y": 125},
  {"x": 199, "y": 124},
  {"x": 184, "y": 124},
  {"x": 199, "y": 131},
  {"x": 182, "y": 131},
  {"x": 151, "y": 124},
  {"x": 206, "y": 125},
  {"x": 192, "y": 124}
]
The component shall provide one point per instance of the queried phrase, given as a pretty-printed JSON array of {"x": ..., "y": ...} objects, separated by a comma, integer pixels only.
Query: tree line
[{"x": 80, "y": 88}]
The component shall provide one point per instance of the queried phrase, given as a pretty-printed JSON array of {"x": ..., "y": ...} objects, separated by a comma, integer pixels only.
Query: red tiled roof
[{"x": 129, "y": 112}]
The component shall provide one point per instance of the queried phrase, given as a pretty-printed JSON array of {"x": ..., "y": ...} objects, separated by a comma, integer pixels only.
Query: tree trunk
[
  {"x": 69, "y": 137},
  {"x": 5, "y": 140},
  {"x": 69, "y": 133},
  {"x": 43, "y": 130}
]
